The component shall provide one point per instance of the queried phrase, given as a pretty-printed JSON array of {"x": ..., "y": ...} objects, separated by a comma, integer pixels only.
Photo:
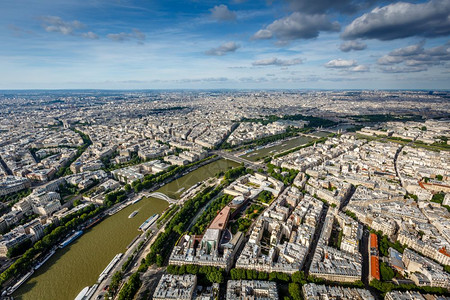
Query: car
[{"x": 106, "y": 288}]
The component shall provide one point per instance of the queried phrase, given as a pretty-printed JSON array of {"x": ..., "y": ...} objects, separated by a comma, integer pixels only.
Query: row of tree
[
  {"x": 15, "y": 197},
  {"x": 210, "y": 213},
  {"x": 131, "y": 287},
  {"x": 114, "y": 197},
  {"x": 209, "y": 273},
  {"x": 384, "y": 287}
]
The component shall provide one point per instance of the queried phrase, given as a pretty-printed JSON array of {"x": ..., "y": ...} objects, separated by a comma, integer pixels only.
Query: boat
[
  {"x": 109, "y": 267},
  {"x": 13, "y": 288},
  {"x": 149, "y": 222},
  {"x": 44, "y": 260},
  {"x": 133, "y": 214},
  {"x": 82, "y": 294},
  {"x": 70, "y": 239},
  {"x": 91, "y": 291},
  {"x": 93, "y": 222},
  {"x": 137, "y": 200}
]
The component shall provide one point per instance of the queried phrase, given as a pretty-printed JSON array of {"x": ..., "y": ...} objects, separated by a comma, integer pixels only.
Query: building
[
  {"x": 410, "y": 295},
  {"x": 13, "y": 184},
  {"x": 374, "y": 266},
  {"x": 313, "y": 291},
  {"x": 177, "y": 287},
  {"x": 34, "y": 229},
  {"x": 12, "y": 239},
  {"x": 333, "y": 264},
  {"x": 251, "y": 290}
]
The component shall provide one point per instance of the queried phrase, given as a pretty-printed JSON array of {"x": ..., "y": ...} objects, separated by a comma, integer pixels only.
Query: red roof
[
  {"x": 373, "y": 240},
  {"x": 443, "y": 250},
  {"x": 374, "y": 267},
  {"x": 221, "y": 220}
]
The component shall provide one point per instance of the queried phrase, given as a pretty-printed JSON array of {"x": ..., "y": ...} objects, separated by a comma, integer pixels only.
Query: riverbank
[{"x": 79, "y": 264}]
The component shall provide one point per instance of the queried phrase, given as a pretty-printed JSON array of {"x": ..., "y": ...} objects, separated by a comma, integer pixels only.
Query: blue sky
[{"x": 127, "y": 44}]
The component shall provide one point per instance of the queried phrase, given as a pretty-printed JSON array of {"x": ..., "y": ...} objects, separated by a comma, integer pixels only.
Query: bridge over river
[{"x": 161, "y": 196}]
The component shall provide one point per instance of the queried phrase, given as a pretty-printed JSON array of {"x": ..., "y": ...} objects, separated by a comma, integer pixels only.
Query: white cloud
[
  {"x": 277, "y": 62},
  {"x": 340, "y": 63},
  {"x": 352, "y": 45},
  {"x": 415, "y": 58},
  {"x": 56, "y": 24},
  {"x": 222, "y": 13},
  {"x": 223, "y": 49},
  {"x": 124, "y": 36},
  {"x": 262, "y": 34},
  {"x": 90, "y": 35},
  {"x": 297, "y": 26},
  {"x": 402, "y": 19},
  {"x": 360, "y": 68}
]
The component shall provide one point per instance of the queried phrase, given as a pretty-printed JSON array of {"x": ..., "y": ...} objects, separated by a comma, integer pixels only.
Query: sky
[{"x": 236, "y": 44}]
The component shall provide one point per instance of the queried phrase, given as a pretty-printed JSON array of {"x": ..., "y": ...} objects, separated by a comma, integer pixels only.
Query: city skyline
[
  {"x": 228, "y": 44},
  {"x": 210, "y": 194}
]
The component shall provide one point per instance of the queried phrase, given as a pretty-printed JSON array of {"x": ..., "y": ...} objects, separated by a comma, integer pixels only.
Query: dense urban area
[{"x": 250, "y": 195}]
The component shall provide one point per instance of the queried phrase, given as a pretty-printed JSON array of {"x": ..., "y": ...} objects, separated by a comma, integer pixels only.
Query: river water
[
  {"x": 284, "y": 146},
  {"x": 78, "y": 265}
]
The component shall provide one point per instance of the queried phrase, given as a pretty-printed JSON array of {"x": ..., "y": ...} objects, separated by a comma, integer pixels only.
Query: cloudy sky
[{"x": 149, "y": 44}]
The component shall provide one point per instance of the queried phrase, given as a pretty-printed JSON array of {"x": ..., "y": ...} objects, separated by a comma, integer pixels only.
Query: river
[
  {"x": 281, "y": 147},
  {"x": 78, "y": 265}
]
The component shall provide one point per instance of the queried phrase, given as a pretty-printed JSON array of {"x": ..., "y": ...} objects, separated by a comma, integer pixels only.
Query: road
[
  {"x": 317, "y": 232},
  {"x": 395, "y": 160},
  {"x": 5, "y": 166},
  {"x": 347, "y": 199},
  {"x": 364, "y": 249}
]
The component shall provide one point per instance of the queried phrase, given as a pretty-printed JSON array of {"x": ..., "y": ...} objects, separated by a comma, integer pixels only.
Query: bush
[
  {"x": 130, "y": 288},
  {"x": 19, "y": 248},
  {"x": 208, "y": 273},
  {"x": 295, "y": 291},
  {"x": 438, "y": 198},
  {"x": 386, "y": 272}
]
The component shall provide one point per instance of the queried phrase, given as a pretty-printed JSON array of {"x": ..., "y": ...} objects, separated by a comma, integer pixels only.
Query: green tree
[
  {"x": 386, "y": 272},
  {"x": 19, "y": 248},
  {"x": 131, "y": 287},
  {"x": 159, "y": 260},
  {"x": 295, "y": 291},
  {"x": 298, "y": 277}
]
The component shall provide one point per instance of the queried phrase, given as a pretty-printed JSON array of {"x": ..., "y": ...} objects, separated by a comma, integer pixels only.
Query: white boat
[
  {"x": 133, "y": 214},
  {"x": 82, "y": 294},
  {"x": 149, "y": 222},
  {"x": 109, "y": 267},
  {"x": 12, "y": 289},
  {"x": 137, "y": 200},
  {"x": 44, "y": 260}
]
